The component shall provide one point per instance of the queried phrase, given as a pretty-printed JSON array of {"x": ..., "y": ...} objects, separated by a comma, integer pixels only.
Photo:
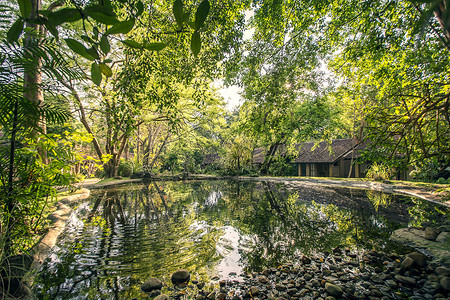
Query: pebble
[
  {"x": 419, "y": 258},
  {"x": 443, "y": 237},
  {"x": 333, "y": 290},
  {"x": 254, "y": 291},
  {"x": 405, "y": 280},
  {"x": 382, "y": 277},
  {"x": 445, "y": 283},
  {"x": 151, "y": 284},
  {"x": 431, "y": 234},
  {"x": 407, "y": 263},
  {"x": 442, "y": 271}
]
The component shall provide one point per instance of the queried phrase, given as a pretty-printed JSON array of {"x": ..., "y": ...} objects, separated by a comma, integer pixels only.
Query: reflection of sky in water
[
  {"x": 213, "y": 198},
  {"x": 121, "y": 237},
  {"x": 228, "y": 247}
]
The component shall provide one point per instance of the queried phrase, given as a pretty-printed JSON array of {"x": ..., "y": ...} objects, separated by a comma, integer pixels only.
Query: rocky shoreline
[{"x": 342, "y": 274}]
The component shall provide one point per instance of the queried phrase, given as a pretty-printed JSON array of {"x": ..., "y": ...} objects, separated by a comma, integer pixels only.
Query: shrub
[
  {"x": 379, "y": 172},
  {"x": 426, "y": 170},
  {"x": 441, "y": 180},
  {"x": 125, "y": 168}
]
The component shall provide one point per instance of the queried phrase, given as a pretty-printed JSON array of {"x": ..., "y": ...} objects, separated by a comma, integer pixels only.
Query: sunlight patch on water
[
  {"x": 228, "y": 246},
  {"x": 213, "y": 198}
]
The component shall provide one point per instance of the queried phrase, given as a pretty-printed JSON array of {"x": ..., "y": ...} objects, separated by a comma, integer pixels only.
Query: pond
[{"x": 120, "y": 237}]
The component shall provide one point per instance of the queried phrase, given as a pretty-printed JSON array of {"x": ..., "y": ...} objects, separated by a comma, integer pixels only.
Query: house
[
  {"x": 210, "y": 160},
  {"x": 324, "y": 159},
  {"x": 258, "y": 156},
  {"x": 333, "y": 159},
  {"x": 330, "y": 159}
]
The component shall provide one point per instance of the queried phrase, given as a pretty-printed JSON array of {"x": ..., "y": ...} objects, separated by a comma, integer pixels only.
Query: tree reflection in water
[{"x": 126, "y": 235}]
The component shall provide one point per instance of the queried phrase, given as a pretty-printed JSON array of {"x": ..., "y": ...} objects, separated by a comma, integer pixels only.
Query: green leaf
[
  {"x": 186, "y": 17},
  {"x": 105, "y": 69},
  {"x": 107, "y": 61},
  {"x": 86, "y": 38},
  {"x": 65, "y": 15},
  {"x": 45, "y": 12},
  {"x": 196, "y": 43},
  {"x": 132, "y": 44},
  {"x": 78, "y": 48},
  {"x": 201, "y": 14},
  {"x": 96, "y": 74},
  {"x": 95, "y": 32},
  {"x": 101, "y": 14},
  {"x": 104, "y": 44},
  {"x": 52, "y": 28},
  {"x": 25, "y": 8},
  {"x": 177, "y": 9},
  {"x": 121, "y": 27},
  {"x": 93, "y": 52},
  {"x": 15, "y": 31},
  {"x": 155, "y": 46},
  {"x": 139, "y": 8},
  {"x": 107, "y": 5},
  {"x": 191, "y": 24}
]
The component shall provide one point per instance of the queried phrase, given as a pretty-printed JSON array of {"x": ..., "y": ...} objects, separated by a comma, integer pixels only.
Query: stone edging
[
  {"x": 59, "y": 218},
  {"x": 371, "y": 185}
]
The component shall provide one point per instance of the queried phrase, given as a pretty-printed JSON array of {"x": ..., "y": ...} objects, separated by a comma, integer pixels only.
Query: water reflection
[
  {"x": 378, "y": 199},
  {"x": 124, "y": 236}
]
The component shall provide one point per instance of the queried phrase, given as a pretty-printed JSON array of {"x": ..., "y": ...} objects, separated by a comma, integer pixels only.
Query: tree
[
  {"x": 390, "y": 59},
  {"x": 189, "y": 130},
  {"x": 397, "y": 65},
  {"x": 286, "y": 91},
  {"x": 100, "y": 25},
  {"x": 25, "y": 178}
]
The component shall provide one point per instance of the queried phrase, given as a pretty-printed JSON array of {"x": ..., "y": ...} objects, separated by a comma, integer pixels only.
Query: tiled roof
[
  {"x": 357, "y": 151},
  {"x": 209, "y": 159},
  {"x": 324, "y": 152},
  {"x": 258, "y": 155}
]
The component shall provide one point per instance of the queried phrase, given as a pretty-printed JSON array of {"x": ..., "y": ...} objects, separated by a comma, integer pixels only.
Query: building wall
[{"x": 339, "y": 169}]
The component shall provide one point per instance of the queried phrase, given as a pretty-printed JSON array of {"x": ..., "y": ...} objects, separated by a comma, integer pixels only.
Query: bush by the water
[
  {"x": 125, "y": 168},
  {"x": 379, "y": 172}
]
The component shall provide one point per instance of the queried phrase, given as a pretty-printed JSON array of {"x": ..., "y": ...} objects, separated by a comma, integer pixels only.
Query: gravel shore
[{"x": 342, "y": 274}]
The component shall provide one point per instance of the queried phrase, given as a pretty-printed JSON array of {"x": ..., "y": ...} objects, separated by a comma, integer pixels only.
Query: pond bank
[
  {"x": 24, "y": 267},
  {"x": 426, "y": 193},
  {"x": 342, "y": 274},
  {"x": 58, "y": 220}
]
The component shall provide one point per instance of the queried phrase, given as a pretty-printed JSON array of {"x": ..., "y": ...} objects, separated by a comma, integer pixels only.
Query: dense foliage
[{"x": 136, "y": 79}]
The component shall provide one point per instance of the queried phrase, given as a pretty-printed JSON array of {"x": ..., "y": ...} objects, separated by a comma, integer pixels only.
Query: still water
[{"x": 120, "y": 237}]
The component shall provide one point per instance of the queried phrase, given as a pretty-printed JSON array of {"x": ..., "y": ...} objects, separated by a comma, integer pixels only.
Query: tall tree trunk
[
  {"x": 440, "y": 12},
  {"x": 269, "y": 158},
  {"x": 33, "y": 75},
  {"x": 10, "y": 202},
  {"x": 157, "y": 154},
  {"x": 138, "y": 144},
  {"x": 126, "y": 150}
]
